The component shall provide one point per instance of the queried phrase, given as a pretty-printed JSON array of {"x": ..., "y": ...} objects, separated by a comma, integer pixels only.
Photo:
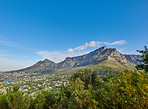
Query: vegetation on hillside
[
  {"x": 144, "y": 59},
  {"x": 86, "y": 90}
]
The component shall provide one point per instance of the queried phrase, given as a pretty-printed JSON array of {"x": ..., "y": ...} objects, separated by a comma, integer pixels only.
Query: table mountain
[{"x": 103, "y": 54}]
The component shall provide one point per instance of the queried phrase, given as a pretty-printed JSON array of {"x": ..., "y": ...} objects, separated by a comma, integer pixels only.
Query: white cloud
[
  {"x": 7, "y": 43},
  {"x": 98, "y": 43},
  {"x": 95, "y": 44},
  {"x": 58, "y": 56},
  {"x": 106, "y": 43},
  {"x": 70, "y": 50},
  {"x": 52, "y": 55},
  {"x": 119, "y": 42},
  {"x": 79, "y": 48},
  {"x": 82, "y": 47},
  {"x": 92, "y": 44}
]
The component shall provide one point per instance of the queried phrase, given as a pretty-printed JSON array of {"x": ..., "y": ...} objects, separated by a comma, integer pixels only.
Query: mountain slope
[
  {"x": 107, "y": 56},
  {"x": 133, "y": 58},
  {"x": 44, "y": 66},
  {"x": 96, "y": 56}
]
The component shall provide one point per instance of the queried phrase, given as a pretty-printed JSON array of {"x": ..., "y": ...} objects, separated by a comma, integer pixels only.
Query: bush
[{"x": 87, "y": 91}]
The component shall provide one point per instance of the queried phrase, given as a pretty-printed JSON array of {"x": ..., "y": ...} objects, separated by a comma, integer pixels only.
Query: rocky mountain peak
[
  {"x": 101, "y": 48},
  {"x": 115, "y": 55},
  {"x": 44, "y": 63},
  {"x": 104, "y": 47},
  {"x": 47, "y": 61}
]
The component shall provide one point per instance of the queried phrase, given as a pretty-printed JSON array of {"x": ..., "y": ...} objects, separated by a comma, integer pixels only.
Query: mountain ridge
[{"x": 97, "y": 56}]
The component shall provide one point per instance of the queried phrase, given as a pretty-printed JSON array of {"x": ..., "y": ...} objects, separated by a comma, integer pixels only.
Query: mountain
[
  {"x": 133, "y": 58},
  {"x": 107, "y": 57},
  {"x": 96, "y": 56},
  {"x": 44, "y": 66}
]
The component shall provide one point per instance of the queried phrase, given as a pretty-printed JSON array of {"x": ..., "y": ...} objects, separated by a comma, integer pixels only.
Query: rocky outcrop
[{"x": 133, "y": 58}]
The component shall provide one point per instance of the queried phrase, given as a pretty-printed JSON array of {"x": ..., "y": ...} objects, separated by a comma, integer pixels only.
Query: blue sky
[{"x": 31, "y": 30}]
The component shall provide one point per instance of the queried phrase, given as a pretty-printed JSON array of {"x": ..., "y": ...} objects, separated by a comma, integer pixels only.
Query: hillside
[{"x": 101, "y": 58}]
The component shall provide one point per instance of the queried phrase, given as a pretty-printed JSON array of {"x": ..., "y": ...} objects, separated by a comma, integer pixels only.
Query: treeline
[{"x": 86, "y": 91}]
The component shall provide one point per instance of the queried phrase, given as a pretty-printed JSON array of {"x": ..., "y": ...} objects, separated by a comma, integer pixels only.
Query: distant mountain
[
  {"x": 44, "y": 66},
  {"x": 133, "y": 58},
  {"x": 109, "y": 56}
]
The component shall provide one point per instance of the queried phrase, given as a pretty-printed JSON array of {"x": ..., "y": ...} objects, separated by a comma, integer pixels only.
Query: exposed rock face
[
  {"x": 118, "y": 57},
  {"x": 94, "y": 57},
  {"x": 133, "y": 58}
]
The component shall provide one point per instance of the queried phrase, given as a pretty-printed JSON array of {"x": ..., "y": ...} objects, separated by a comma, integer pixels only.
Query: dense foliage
[
  {"x": 144, "y": 59},
  {"x": 86, "y": 91}
]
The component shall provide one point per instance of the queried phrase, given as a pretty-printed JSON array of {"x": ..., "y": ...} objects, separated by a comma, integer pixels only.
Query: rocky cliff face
[
  {"x": 118, "y": 57},
  {"x": 133, "y": 58},
  {"x": 94, "y": 57}
]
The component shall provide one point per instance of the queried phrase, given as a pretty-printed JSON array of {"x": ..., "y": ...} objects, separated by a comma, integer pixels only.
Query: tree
[
  {"x": 144, "y": 60},
  {"x": 133, "y": 89},
  {"x": 16, "y": 88},
  {"x": 3, "y": 102},
  {"x": 18, "y": 101},
  {"x": 81, "y": 98},
  {"x": 128, "y": 91},
  {"x": 87, "y": 76},
  {"x": 43, "y": 101}
]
